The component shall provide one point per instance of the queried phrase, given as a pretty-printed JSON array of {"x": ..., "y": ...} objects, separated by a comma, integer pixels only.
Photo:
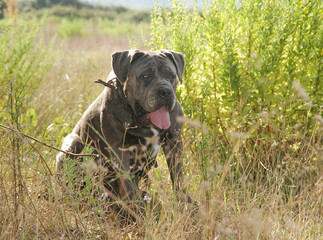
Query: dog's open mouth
[{"x": 160, "y": 118}]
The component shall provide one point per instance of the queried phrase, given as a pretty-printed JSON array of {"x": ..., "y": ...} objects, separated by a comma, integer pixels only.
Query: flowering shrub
[{"x": 242, "y": 58}]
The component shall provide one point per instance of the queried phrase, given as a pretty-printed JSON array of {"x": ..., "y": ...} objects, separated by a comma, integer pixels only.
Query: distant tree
[
  {"x": 49, "y": 3},
  {"x": 3, "y": 6}
]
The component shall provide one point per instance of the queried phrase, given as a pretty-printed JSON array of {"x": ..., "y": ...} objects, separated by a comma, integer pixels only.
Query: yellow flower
[{"x": 224, "y": 53}]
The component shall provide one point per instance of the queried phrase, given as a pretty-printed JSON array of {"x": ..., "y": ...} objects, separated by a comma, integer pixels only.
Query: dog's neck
[{"x": 116, "y": 87}]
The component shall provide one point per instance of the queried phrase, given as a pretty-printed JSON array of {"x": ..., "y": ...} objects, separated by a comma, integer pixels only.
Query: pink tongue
[{"x": 160, "y": 118}]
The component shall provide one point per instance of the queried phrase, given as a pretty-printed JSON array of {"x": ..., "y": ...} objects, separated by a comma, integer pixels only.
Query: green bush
[
  {"x": 74, "y": 27},
  {"x": 253, "y": 76},
  {"x": 23, "y": 63},
  {"x": 243, "y": 57},
  {"x": 116, "y": 28}
]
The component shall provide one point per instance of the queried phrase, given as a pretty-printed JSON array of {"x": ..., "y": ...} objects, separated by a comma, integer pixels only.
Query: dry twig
[{"x": 45, "y": 144}]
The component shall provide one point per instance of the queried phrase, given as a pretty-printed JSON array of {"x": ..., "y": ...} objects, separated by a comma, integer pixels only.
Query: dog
[{"x": 132, "y": 119}]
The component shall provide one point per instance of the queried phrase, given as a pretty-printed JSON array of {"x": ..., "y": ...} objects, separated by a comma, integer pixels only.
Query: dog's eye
[
  {"x": 145, "y": 77},
  {"x": 172, "y": 77}
]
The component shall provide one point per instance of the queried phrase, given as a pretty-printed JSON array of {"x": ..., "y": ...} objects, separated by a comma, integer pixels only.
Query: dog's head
[{"x": 149, "y": 80}]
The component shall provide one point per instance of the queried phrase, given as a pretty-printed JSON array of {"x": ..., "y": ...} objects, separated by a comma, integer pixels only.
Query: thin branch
[{"x": 45, "y": 144}]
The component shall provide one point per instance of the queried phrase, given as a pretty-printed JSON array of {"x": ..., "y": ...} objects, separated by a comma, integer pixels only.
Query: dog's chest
[
  {"x": 143, "y": 154},
  {"x": 152, "y": 144}
]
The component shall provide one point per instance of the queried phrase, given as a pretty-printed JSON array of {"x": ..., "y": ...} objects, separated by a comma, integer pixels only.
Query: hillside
[{"x": 142, "y": 4}]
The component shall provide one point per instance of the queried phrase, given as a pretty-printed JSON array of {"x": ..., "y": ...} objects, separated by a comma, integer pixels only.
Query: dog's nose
[{"x": 165, "y": 93}]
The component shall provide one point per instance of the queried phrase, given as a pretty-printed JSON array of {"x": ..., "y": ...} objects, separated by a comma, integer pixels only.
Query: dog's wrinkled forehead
[
  {"x": 123, "y": 61},
  {"x": 153, "y": 64}
]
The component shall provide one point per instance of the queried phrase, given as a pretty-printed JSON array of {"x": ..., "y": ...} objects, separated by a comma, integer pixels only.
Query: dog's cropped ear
[
  {"x": 121, "y": 62},
  {"x": 178, "y": 60}
]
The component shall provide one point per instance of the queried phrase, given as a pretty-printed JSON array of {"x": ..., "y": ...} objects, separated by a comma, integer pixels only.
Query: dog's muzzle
[{"x": 159, "y": 117}]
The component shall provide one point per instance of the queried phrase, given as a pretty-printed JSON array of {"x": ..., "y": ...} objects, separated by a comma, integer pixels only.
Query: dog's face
[{"x": 149, "y": 81}]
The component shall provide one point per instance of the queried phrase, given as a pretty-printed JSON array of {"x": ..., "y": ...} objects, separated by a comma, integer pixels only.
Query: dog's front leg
[
  {"x": 72, "y": 143},
  {"x": 127, "y": 188},
  {"x": 173, "y": 148}
]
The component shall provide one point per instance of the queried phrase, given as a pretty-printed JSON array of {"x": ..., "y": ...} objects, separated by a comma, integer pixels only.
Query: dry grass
[{"x": 252, "y": 205}]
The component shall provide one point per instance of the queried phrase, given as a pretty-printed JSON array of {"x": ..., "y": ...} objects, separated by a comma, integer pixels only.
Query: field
[{"x": 252, "y": 96}]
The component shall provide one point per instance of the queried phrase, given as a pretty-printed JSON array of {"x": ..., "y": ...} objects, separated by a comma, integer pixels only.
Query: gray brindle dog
[{"x": 131, "y": 119}]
